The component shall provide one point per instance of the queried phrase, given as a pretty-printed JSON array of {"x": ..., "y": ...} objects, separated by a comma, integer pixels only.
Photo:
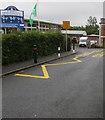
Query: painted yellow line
[
  {"x": 23, "y": 75},
  {"x": 77, "y": 60},
  {"x": 86, "y": 54},
  {"x": 99, "y": 54},
  {"x": 46, "y": 76},
  {"x": 45, "y": 72},
  {"x": 59, "y": 63}
]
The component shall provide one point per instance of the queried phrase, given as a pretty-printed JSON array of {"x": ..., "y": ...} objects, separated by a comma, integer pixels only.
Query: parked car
[{"x": 93, "y": 42}]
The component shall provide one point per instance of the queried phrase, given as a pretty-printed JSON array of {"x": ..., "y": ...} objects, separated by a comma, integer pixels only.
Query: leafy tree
[
  {"x": 77, "y": 28},
  {"x": 92, "y": 21},
  {"x": 92, "y": 26}
]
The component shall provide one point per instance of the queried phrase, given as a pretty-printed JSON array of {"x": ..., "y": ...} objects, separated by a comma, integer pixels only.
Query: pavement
[{"x": 11, "y": 68}]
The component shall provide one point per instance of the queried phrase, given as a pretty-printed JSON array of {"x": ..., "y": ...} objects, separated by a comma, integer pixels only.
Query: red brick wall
[
  {"x": 103, "y": 30},
  {"x": 102, "y": 20},
  {"x": 93, "y": 38},
  {"x": 102, "y": 34}
]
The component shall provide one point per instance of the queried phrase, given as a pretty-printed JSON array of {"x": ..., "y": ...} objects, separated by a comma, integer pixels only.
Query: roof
[
  {"x": 45, "y": 21},
  {"x": 82, "y": 38},
  {"x": 92, "y": 35},
  {"x": 74, "y": 32}
]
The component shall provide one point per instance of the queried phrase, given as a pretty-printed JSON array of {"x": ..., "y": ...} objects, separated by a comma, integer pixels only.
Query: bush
[
  {"x": 19, "y": 47},
  {"x": 11, "y": 48}
]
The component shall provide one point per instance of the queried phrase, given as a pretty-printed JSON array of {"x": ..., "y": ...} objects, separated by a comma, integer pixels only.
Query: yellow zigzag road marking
[
  {"x": 86, "y": 54},
  {"x": 64, "y": 63},
  {"x": 45, "y": 72},
  {"x": 99, "y": 54}
]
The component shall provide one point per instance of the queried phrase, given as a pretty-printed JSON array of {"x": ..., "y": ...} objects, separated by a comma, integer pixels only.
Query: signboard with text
[
  {"x": 66, "y": 24},
  {"x": 11, "y": 17}
]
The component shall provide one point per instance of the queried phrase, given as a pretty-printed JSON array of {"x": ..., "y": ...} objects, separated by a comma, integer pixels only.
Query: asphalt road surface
[{"x": 71, "y": 87}]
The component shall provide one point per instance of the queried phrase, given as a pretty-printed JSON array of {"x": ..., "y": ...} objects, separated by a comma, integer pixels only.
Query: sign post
[
  {"x": 66, "y": 39},
  {"x": 66, "y": 25},
  {"x": 11, "y": 17},
  {"x": 5, "y": 31}
]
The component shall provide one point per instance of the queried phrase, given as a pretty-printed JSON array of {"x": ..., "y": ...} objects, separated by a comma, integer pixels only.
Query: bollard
[
  {"x": 73, "y": 42},
  {"x": 73, "y": 51},
  {"x": 35, "y": 53},
  {"x": 73, "y": 47},
  {"x": 59, "y": 52}
]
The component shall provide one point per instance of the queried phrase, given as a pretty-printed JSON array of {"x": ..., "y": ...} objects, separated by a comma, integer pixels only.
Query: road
[{"x": 71, "y": 87}]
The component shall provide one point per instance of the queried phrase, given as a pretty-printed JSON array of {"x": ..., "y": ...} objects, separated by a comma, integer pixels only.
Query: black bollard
[
  {"x": 35, "y": 53},
  {"x": 73, "y": 42}
]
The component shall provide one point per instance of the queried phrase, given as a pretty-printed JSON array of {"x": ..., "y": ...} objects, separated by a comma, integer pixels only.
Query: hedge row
[{"x": 19, "y": 47}]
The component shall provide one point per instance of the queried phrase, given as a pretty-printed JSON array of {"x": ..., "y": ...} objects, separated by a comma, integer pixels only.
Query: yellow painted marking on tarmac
[
  {"x": 77, "y": 60},
  {"x": 86, "y": 54},
  {"x": 99, "y": 54},
  {"x": 60, "y": 63},
  {"x": 45, "y": 72},
  {"x": 23, "y": 75}
]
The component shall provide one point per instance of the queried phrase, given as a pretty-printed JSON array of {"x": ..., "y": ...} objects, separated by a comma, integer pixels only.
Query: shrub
[{"x": 19, "y": 47}]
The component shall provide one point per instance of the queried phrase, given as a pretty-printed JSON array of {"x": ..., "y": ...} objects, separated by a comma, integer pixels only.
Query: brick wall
[{"x": 102, "y": 32}]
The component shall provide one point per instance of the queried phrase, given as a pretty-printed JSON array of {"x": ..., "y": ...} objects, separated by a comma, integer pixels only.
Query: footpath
[{"x": 15, "y": 67}]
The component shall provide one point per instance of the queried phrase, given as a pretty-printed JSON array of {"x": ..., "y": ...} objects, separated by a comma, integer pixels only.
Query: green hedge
[{"x": 19, "y": 47}]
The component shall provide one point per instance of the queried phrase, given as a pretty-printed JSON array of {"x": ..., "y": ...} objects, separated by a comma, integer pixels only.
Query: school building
[{"x": 41, "y": 25}]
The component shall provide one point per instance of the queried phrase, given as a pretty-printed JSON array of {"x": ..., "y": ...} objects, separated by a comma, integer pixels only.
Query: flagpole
[
  {"x": 31, "y": 27},
  {"x": 38, "y": 16}
]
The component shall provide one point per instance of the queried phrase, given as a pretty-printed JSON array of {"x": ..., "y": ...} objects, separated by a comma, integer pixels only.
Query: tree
[
  {"x": 92, "y": 21},
  {"x": 77, "y": 28},
  {"x": 92, "y": 26}
]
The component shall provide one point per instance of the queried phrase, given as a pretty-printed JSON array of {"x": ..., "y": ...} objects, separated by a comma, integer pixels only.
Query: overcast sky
[{"x": 76, "y": 12}]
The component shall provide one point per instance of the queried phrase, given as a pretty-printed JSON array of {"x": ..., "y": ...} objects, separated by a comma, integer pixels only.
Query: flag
[{"x": 33, "y": 14}]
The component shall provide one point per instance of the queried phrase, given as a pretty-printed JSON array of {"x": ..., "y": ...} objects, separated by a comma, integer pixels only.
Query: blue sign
[{"x": 11, "y": 17}]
